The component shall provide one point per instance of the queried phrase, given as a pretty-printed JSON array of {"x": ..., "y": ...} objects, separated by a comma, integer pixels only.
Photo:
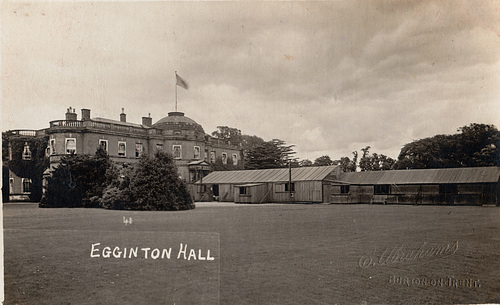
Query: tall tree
[
  {"x": 271, "y": 154},
  {"x": 353, "y": 165},
  {"x": 305, "y": 163},
  {"x": 287, "y": 152},
  {"x": 345, "y": 164},
  {"x": 475, "y": 145},
  {"x": 228, "y": 134},
  {"x": 479, "y": 145},
  {"x": 365, "y": 162},
  {"x": 323, "y": 161},
  {"x": 155, "y": 185},
  {"x": 384, "y": 162},
  {"x": 374, "y": 162}
]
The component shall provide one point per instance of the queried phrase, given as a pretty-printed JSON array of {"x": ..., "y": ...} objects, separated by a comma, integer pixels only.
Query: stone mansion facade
[{"x": 193, "y": 150}]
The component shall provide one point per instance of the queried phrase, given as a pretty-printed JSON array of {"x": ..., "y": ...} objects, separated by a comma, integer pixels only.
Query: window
[
  {"x": 104, "y": 144},
  {"x": 344, "y": 189},
  {"x": 202, "y": 188},
  {"x": 159, "y": 147},
  {"x": 212, "y": 157},
  {"x": 224, "y": 158},
  {"x": 235, "y": 159},
  {"x": 205, "y": 155},
  {"x": 138, "y": 150},
  {"x": 11, "y": 185},
  {"x": 70, "y": 146},
  {"x": 243, "y": 190},
  {"x": 122, "y": 149},
  {"x": 177, "y": 151},
  {"x": 197, "y": 152},
  {"x": 26, "y": 185},
  {"x": 383, "y": 189},
  {"x": 52, "y": 146},
  {"x": 26, "y": 152},
  {"x": 284, "y": 187}
]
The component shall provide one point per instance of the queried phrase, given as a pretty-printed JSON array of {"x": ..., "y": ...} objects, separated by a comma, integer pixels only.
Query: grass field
[{"x": 262, "y": 254}]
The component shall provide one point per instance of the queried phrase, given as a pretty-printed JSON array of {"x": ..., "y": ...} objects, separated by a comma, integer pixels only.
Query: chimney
[
  {"x": 123, "y": 116},
  {"x": 71, "y": 115},
  {"x": 85, "y": 114},
  {"x": 147, "y": 121}
]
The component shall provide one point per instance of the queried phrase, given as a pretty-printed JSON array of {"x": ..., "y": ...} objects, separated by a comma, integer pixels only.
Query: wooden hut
[
  {"x": 472, "y": 186},
  {"x": 308, "y": 185}
]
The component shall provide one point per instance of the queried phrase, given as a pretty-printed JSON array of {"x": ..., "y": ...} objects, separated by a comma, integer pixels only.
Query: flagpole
[{"x": 175, "y": 91}]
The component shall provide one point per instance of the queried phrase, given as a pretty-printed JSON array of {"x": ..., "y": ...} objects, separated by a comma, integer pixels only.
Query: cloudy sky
[{"x": 330, "y": 77}]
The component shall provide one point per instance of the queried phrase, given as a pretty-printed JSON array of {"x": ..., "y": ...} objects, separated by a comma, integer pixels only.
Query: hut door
[{"x": 215, "y": 190}]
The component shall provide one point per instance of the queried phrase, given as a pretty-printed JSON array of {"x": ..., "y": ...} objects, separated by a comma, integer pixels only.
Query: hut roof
[
  {"x": 268, "y": 175},
  {"x": 424, "y": 176}
]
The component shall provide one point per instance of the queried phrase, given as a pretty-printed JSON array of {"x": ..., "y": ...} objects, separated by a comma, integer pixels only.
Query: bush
[
  {"x": 116, "y": 195},
  {"x": 155, "y": 185},
  {"x": 93, "y": 181},
  {"x": 78, "y": 181}
]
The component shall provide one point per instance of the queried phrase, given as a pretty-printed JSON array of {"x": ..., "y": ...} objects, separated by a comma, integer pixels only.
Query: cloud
[{"x": 330, "y": 77}]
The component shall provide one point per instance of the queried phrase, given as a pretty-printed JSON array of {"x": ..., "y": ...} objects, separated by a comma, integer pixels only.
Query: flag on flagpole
[{"x": 180, "y": 82}]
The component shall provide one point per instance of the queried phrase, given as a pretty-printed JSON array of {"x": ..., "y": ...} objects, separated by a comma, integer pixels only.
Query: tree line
[{"x": 474, "y": 145}]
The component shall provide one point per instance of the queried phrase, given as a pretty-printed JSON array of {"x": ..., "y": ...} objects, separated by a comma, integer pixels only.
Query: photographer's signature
[{"x": 400, "y": 254}]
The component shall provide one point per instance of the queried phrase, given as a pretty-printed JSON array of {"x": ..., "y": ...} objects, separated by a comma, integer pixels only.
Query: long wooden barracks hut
[
  {"x": 467, "y": 186},
  {"x": 308, "y": 185}
]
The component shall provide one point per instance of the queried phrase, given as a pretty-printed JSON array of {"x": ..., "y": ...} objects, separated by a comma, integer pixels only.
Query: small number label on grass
[{"x": 127, "y": 221}]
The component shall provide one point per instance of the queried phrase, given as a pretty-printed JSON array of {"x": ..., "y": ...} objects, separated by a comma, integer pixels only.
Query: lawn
[{"x": 253, "y": 254}]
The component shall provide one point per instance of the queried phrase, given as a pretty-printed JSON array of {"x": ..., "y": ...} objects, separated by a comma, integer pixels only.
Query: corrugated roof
[
  {"x": 424, "y": 176},
  {"x": 268, "y": 175}
]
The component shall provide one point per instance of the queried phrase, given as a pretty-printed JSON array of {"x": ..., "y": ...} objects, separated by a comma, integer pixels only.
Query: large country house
[{"x": 192, "y": 149}]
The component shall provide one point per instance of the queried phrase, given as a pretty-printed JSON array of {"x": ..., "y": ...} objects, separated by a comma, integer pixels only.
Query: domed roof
[{"x": 176, "y": 120}]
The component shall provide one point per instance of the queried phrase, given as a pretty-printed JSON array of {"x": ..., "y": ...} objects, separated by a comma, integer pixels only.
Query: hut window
[
  {"x": 104, "y": 145},
  {"x": 176, "y": 151},
  {"x": 224, "y": 158},
  {"x": 243, "y": 190},
  {"x": 26, "y": 152},
  {"x": 122, "y": 149},
  {"x": 26, "y": 185},
  {"x": 288, "y": 188},
  {"x": 448, "y": 189},
  {"x": 235, "y": 159},
  {"x": 197, "y": 152},
  {"x": 70, "y": 146},
  {"x": 344, "y": 189},
  {"x": 383, "y": 189}
]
